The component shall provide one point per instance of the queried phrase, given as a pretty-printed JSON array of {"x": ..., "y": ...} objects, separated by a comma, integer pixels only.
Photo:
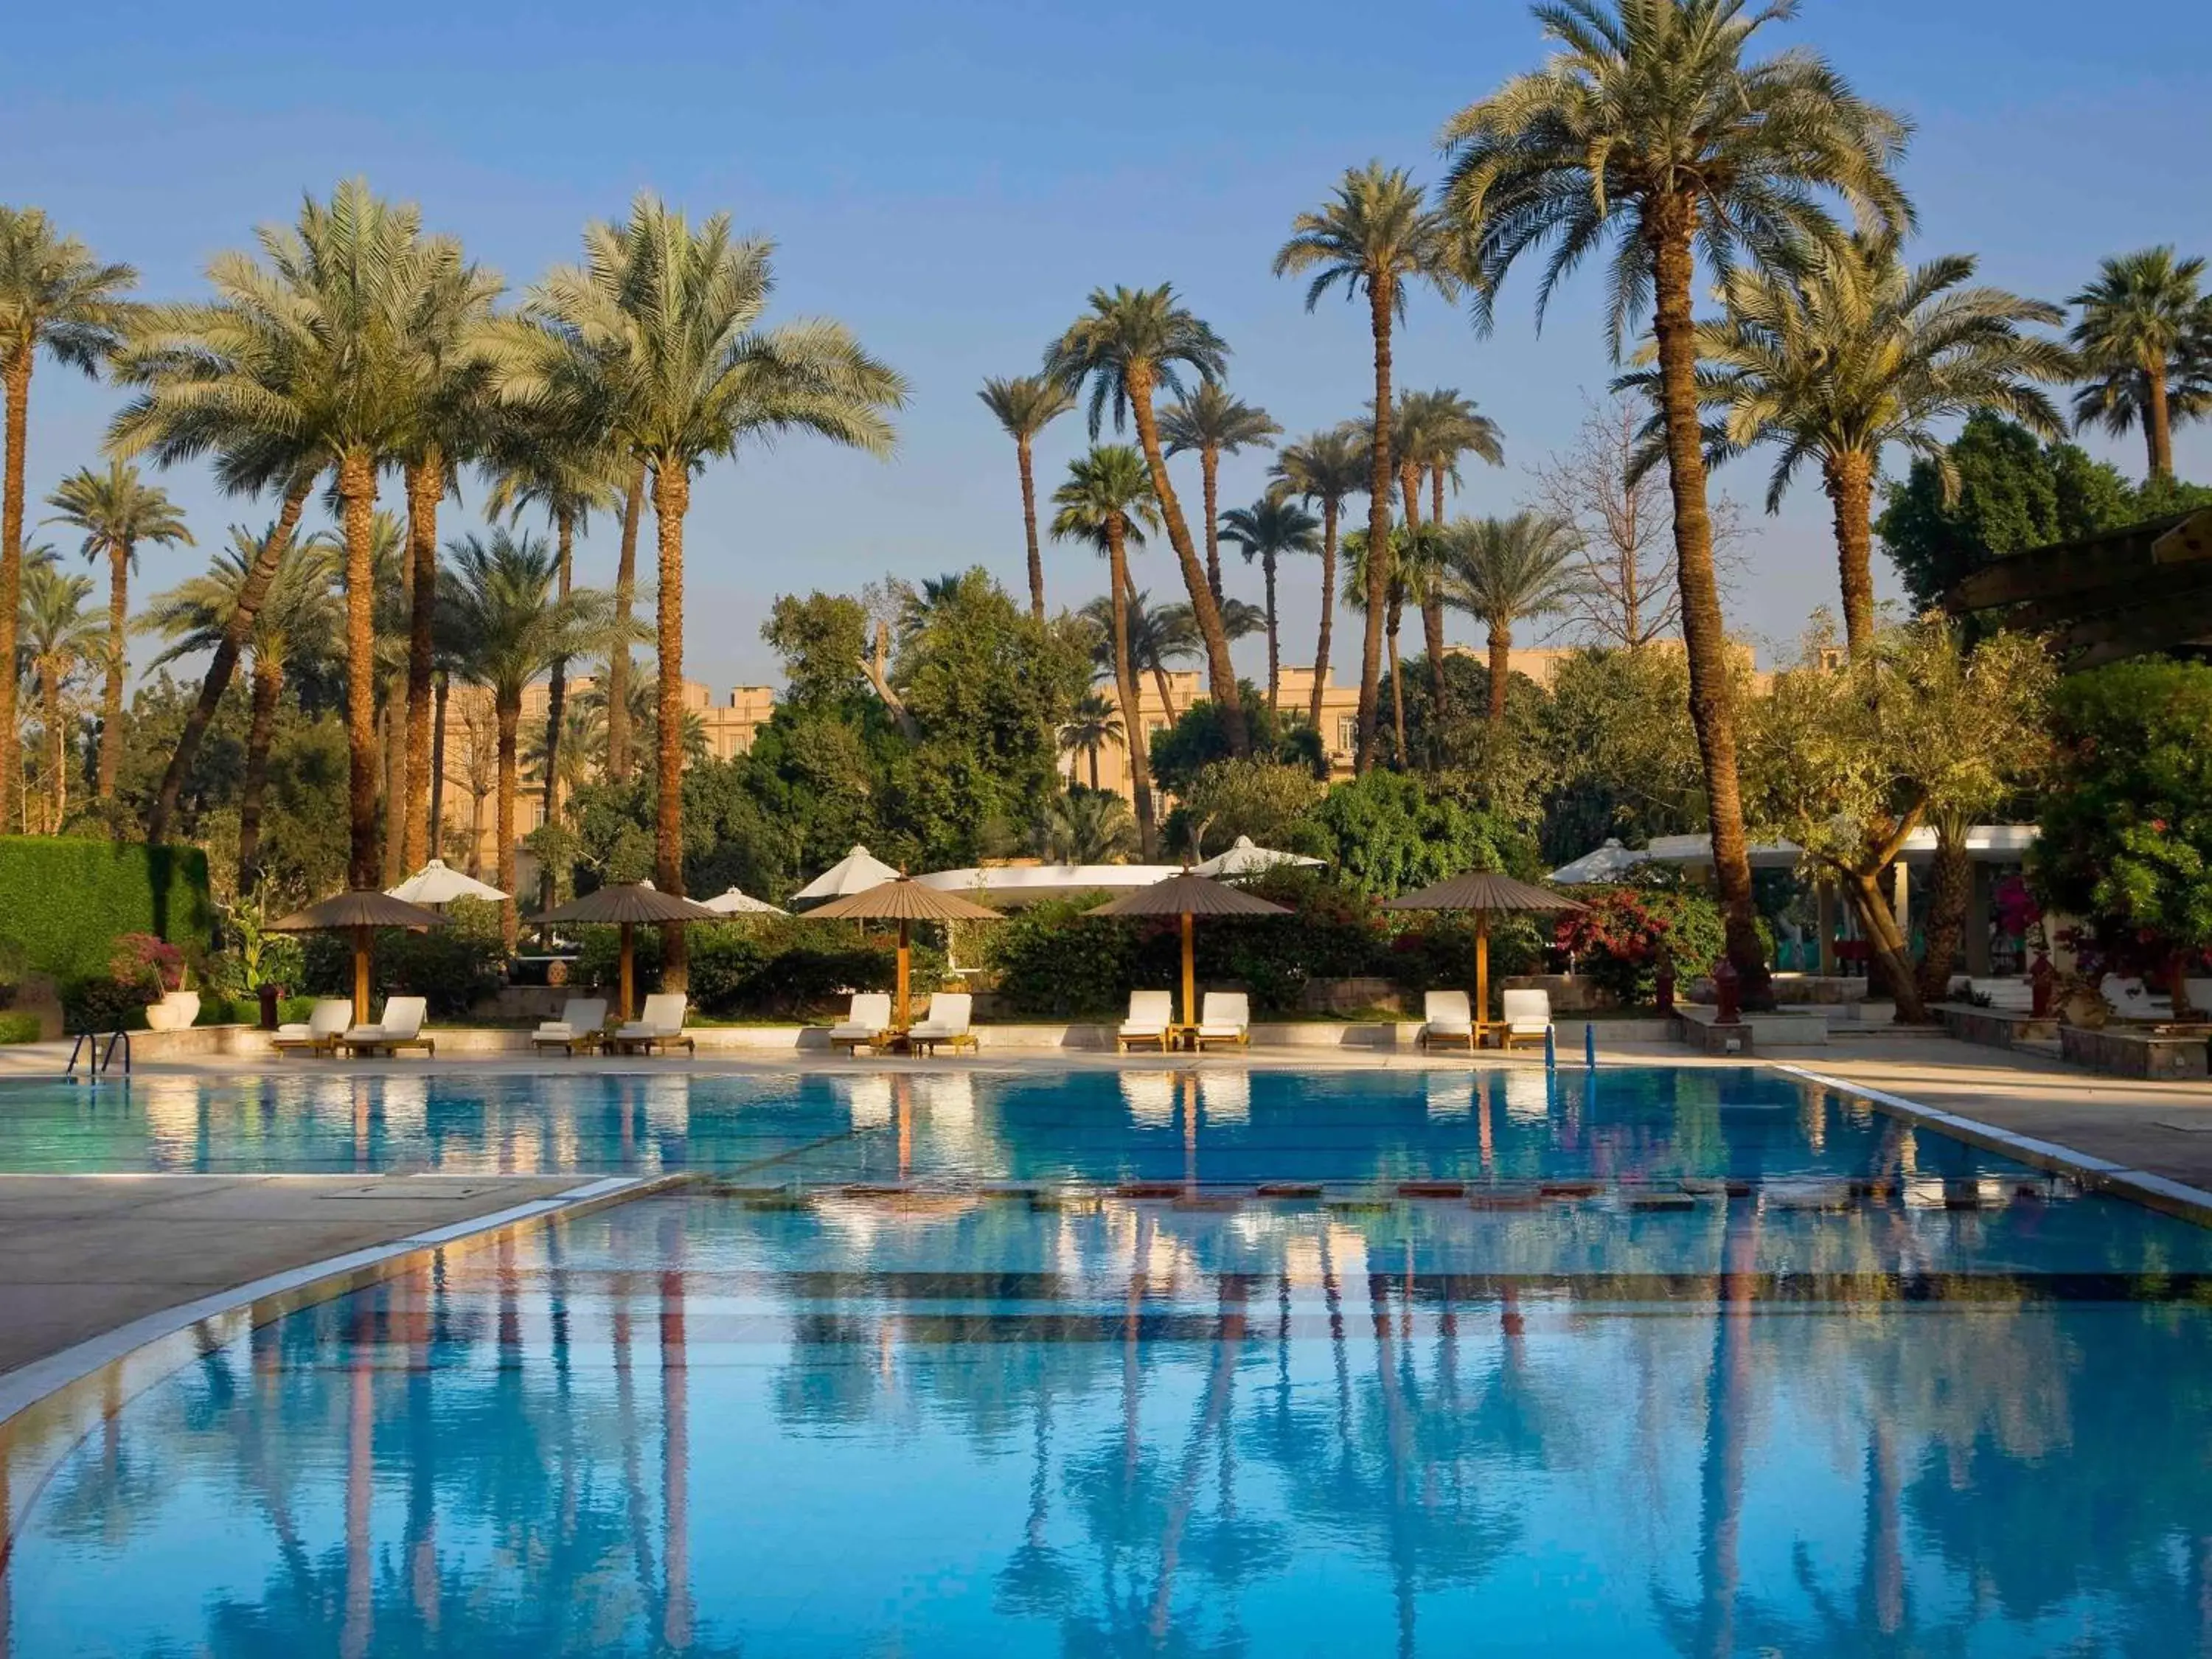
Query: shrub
[
  {"x": 1390, "y": 834},
  {"x": 152, "y": 964},
  {"x": 455, "y": 967},
  {"x": 1053, "y": 960},
  {"x": 1617, "y": 941},
  {"x": 64, "y": 901},
  {"x": 19, "y": 1028},
  {"x": 769, "y": 967},
  {"x": 98, "y": 1003}
]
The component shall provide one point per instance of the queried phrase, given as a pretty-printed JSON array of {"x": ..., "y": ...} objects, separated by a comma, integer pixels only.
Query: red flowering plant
[
  {"x": 1619, "y": 941},
  {"x": 151, "y": 966}
]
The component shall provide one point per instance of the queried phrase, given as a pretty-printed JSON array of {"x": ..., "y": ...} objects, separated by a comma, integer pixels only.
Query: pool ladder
[{"x": 98, "y": 1059}]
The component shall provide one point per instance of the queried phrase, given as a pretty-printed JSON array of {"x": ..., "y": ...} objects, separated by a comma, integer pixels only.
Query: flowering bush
[
  {"x": 1620, "y": 939},
  {"x": 147, "y": 964}
]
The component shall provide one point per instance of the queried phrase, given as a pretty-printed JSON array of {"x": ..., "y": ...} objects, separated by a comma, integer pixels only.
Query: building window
[
  {"x": 1154, "y": 728},
  {"x": 1347, "y": 733}
]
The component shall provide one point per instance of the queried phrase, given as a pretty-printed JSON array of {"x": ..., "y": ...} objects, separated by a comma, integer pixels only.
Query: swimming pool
[{"x": 1857, "y": 1390}]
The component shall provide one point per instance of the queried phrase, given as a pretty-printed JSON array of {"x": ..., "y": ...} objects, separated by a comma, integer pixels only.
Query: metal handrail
[{"x": 97, "y": 1060}]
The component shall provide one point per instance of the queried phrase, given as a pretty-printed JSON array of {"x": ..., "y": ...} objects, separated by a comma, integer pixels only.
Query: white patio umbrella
[
  {"x": 737, "y": 903},
  {"x": 438, "y": 882},
  {"x": 856, "y": 872},
  {"x": 1243, "y": 858}
]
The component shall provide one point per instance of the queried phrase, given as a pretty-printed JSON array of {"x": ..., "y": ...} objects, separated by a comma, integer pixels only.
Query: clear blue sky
[{"x": 951, "y": 180}]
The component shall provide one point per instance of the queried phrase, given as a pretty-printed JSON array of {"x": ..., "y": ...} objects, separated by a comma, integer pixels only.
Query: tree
[
  {"x": 1161, "y": 638},
  {"x": 505, "y": 604},
  {"x": 1358, "y": 591},
  {"x": 657, "y": 334},
  {"x": 1024, "y": 406},
  {"x": 1501, "y": 571},
  {"x": 1214, "y": 423},
  {"x": 2145, "y": 339},
  {"x": 1856, "y": 353},
  {"x": 116, "y": 510},
  {"x": 1440, "y": 427},
  {"x": 1392, "y": 833},
  {"x": 1375, "y": 236},
  {"x": 1270, "y": 527},
  {"x": 1624, "y": 756},
  {"x": 1096, "y": 722},
  {"x": 1323, "y": 471},
  {"x": 1086, "y": 826},
  {"x": 1267, "y": 800},
  {"x": 57, "y": 636},
  {"x": 298, "y": 619},
  {"x": 56, "y": 298},
  {"x": 1649, "y": 130},
  {"x": 1130, "y": 343},
  {"x": 1106, "y": 497}
]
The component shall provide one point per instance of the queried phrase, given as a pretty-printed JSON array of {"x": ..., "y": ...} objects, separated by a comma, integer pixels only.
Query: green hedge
[
  {"x": 16, "y": 1027},
  {"x": 63, "y": 901}
]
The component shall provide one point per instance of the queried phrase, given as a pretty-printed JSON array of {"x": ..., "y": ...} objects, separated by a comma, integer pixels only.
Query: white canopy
[
  {"x": 856, "y": 872},
  {"x": 1010, "y": 886},
  {"x": 737, "y": 903},
  {"x": 1245, "y": 860},
  {"x": 1607, "y": 863},
  {"x": 437, "y": 882},
  {"x": 1986, "y": 843}
]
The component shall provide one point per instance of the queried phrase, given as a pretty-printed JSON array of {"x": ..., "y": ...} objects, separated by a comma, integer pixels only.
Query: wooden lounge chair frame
[
  {"x": 922, "y": 1042},
  {"x": 1202, "y": 1039},
  {"x": 1432, "y": 1038},
  {"x": 1124, "y": 1040}
]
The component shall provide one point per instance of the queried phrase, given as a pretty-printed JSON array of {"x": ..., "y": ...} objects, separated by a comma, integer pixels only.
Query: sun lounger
[
  {"x": 320, "y": 1033},
  {"x": 1225, "y": 1018},
  {"x": 660, "y": 1026},
  {"x": 399, "y": 1026},
  {"x": 1450, "y": 1020},
  {"x": 945, "y": 1025},
  {"x": 1151, "y": 1015},
  {"x": 864, "y": 1024},
  {"x": 1527, "y": 1015},
  {"x": 578, "y": 1026}
]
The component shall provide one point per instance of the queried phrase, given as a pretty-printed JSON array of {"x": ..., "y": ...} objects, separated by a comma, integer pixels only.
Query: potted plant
[{"x": 158, "y": 967}]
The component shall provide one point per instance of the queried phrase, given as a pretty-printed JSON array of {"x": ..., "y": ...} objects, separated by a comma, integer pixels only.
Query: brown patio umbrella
[
  {"x": 360, "y": 912},
  {"x": 905, "y": 901},
  {"x": 624, "y": 905},
  {"x": 1189, "y": 896},
  {"x": 1482, "y": 892}
]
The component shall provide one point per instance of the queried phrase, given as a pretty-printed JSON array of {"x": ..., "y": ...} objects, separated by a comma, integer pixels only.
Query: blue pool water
[{"x": 1858, "y": 1390}]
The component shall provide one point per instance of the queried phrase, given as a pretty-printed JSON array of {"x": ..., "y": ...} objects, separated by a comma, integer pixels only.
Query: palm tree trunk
[
  {"x": 1221, "y": 673},
  {"x": 509, "y": 715},
  {"x": 1275, "y": 653},
  {"x": 2158, "y": 423},
  {"x": 1093, "y": 768},
  {"x": 1951, "y": 885},
  {"x": 671, "y": 498},
  {"x": 1381, "y": 296},
  {"x": 1437, "y": 496},
  {"x": 1209, "y": 473},
  {"x": 50, "y": 676},
  {"x": 1849, "y": 480},
  {"x": 261, "y": 734},
  {"x": 1028, "y": 527},
  {"x": 1396, "y": 608},
  {"x": 618, "y": 657},
  {"x": 476, "y": 832},
  {"x": 426, "y": 488},
  {"x": 556, "y": 698},
  {"x": 440, "y": 691},
  {"x": 358, "y": 506},
  {"x": 1125, "y": 686},
  {"x": 1432, "y": 608},
  {"x": 1501, "y": 671},
  {"x": 110, "y": 696},
  {"x": 1329, "y": 508},
  {"x": 11, "y": 569},
  {"x": 1160, "y": 682},
  {"x": 395, "y": 775},
  {"x": 1704, "y": 636},
  {"x": 225, "y": 661}
]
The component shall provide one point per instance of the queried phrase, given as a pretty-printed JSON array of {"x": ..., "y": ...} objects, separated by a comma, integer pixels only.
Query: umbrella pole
[
  {"x": 1189, "y": 973},
  {"x": 1481, "y": 974},
  {"x": 360, "y": 976},
  {"x": 629, "y": 968},
  {"x": 904, "y": 1017}
]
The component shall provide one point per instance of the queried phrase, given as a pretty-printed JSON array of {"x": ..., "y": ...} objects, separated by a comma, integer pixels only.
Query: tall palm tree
[
  {"x": 1129, "y": 343},
  {"x": 1359, "y": 594},
  {"x": 657, "y": 335},
  {"x": 56, "y": 636},
  {"x": 1093, "y": 723},
  {"x": 1375, "y": 235},
  {"x": 1856, "y": 353},
  {"x": 504, "y": 605},
  {"x": 1501, "y": 571},
  {"x": 1272, "y": 527},
  {"x": 1025, "y": 406},
  {"x": 116, "y": 510},
  {"x": 1652, "y": 130},
  {"x": 573, "y": 759},
  {"x": 1107, "y": 501},
  {"x": 1212, "y": 423},
  {"x": 1161, "y": 639},
  {"x": 2143, "y": 319},
  {"x": 1445, "y": 427},
  {"x": 1321, "y": 471},
  {"x": 56, "y": 298},
  {"x": 298, "y": 619}
]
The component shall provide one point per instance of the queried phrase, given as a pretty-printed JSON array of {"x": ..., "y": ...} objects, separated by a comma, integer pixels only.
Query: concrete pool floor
[{"x": 88, "y": 1254}]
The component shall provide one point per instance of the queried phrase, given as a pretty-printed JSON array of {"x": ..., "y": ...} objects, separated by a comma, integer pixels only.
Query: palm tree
[
  {"x": 1161, "y": 638},
  {"x": 116, "y": 510},
  {"x": 1108, "y": 501},
  {"x": 1445, "y": 426},
  {"x": 55, "y": 297},
  {"x": 1214, "y": 423},
  {"x": 1272, "y": 527},
  {"x": 573, "y": 759},
  {"x": 57, "y": 636},
  {"x": 517, "y": 627},
  {"x": 1323, "y": 471},
  {"x": 1025, "y": 406},
  {"x": 298, "y": 619},
  {"x": 656, "y": 335},
  {"x": 1376, "y": 235},
  {"x": 1649, "y": 130},
  {"x": 2143, "y": 322},
  {"x": 1094, "y": 722},
  {"x": 1358, "y": 593},
  {"x": 1131, "y": 342},
  {"x": 1854, "y": 353},
  {"x": 1501, "y": 571},
  {"x": 1086, "y": 826}
]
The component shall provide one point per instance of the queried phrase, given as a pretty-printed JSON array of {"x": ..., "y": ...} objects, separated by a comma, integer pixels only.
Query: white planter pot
[{"x": 174, "y": 1012}]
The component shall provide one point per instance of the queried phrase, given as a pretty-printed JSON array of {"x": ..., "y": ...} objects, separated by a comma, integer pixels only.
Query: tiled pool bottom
[{"x": 942, "y": 1422}]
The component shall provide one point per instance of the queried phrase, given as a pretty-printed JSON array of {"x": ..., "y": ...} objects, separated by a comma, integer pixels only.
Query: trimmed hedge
[{"x": 63, "y": 901}]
